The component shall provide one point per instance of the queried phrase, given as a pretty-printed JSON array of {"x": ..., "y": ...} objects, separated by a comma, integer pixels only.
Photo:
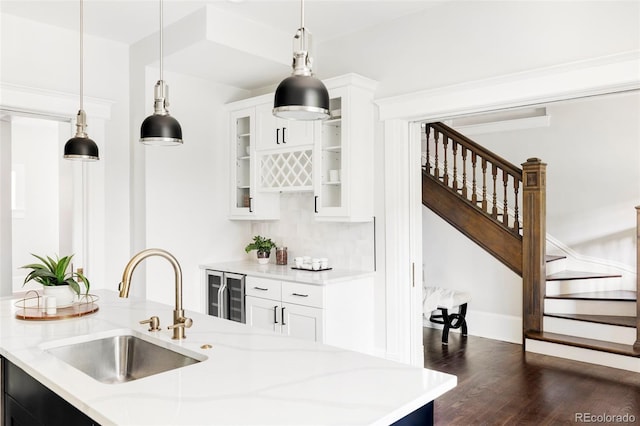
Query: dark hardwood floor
[{"x": 498, "y": 384}]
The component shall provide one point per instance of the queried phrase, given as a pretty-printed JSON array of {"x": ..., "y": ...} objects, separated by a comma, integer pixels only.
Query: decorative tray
[
  {"x": 312, "y": 270},
  {"x": 32, "y": 308}
]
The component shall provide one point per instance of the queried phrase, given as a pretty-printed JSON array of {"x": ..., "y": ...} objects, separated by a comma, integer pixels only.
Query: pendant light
[
  {"x": 80, "y": 147},
  {"x": 301, "y": 96},
  {"x": 160, "y": 128}
]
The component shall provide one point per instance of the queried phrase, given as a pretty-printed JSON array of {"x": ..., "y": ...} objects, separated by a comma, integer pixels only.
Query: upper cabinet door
[
  {"x": 277, "y": 133},
  {"x": 245, "y": 201},
  {"x": 343, "y": 158}
]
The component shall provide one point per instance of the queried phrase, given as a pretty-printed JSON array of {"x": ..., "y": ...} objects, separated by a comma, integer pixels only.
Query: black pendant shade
[
  {"x": 81, "y": 148},
  {"x": 301, "y": 97},
  {"x": 160, "y": 130}
]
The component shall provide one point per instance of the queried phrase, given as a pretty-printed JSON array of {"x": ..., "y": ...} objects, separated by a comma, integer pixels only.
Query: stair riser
[
  {"x": 589, "y": 330},
  {"x": 589, "y": 307},
  {"x": 556, "y": 266},
  {"x": 582, "y": 286},
  {"x": 584, "y": 355}
]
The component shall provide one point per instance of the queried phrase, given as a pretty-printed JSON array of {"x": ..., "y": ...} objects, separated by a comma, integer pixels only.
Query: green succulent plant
[
  {"x": 53, "y": 272},
  {"x": 261, "y": 244}
]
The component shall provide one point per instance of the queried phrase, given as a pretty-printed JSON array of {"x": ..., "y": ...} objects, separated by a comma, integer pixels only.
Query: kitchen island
[{"x": 247, "y": 376}]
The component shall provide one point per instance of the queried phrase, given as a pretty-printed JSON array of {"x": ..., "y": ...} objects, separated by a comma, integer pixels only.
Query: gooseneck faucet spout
[{"x": 179, "y": 320}]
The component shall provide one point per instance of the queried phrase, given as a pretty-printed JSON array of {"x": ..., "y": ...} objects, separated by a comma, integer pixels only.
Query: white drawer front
[
  {"x": 302, "y": 294},
  {"x": 263, "y": 287}
]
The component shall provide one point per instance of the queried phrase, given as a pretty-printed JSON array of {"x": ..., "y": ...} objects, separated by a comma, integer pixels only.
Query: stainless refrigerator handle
[{"x": 221, "y": 299}]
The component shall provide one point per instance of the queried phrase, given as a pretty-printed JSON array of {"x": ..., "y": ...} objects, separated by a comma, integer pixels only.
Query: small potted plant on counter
[
  {"x": 263, "y": 246},
  {"x": 55, "y": 279}
]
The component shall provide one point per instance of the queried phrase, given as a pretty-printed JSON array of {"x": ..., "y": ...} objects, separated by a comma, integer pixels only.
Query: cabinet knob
[
  {"x": 283, "y": 135},
  {"x": 275, "y": 314},
  {"x": 282, "y": 315},
  {"x": 277, "y": 136}
]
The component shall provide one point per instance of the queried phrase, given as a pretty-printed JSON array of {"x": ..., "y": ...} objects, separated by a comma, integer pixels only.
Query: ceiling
[
  {"x": 237, "y": 46},
  {"x": 128, "y": 21}
]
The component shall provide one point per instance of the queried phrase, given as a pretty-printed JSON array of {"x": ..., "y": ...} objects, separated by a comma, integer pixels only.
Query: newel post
[
  {"x": 534, "y": 232},
  {"x": 636, "y": 345}
]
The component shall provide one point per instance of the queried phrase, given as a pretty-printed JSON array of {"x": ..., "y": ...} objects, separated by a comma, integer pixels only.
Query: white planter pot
[
  {"x": 64, "y": 295},
  {"x": 263, "y": 257}
]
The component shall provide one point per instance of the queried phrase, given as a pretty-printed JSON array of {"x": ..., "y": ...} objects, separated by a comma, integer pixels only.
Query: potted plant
[
  {"x": 263, "y": 246},
  {"x": 55, "y": 279}
]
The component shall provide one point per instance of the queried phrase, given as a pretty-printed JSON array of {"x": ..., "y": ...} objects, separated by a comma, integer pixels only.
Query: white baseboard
[
  {"x": 489, "y": 325},
  {"x": 584, "y": 355}
]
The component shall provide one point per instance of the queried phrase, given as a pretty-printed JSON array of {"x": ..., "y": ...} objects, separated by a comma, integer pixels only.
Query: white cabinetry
[
  {"x": 246, "y": 201},
  {"x": 267, "y": 308},
  {"x": 277, "y": 133},
  {"x": 333, "y": 158},
  {"x": 339, "y": 314},
  {"x": 343, "y": 157}
]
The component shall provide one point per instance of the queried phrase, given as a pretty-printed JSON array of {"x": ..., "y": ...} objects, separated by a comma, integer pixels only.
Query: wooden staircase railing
[{"x": 496, "y": 204}]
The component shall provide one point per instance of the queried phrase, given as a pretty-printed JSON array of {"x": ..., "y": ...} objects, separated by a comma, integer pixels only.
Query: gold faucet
[{"x": 179, "y": 320}]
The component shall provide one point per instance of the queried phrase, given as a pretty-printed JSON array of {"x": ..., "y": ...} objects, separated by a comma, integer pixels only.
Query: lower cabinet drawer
[
  {"x": 262, "y": 287},
  {"x": 302, "y": 294}
]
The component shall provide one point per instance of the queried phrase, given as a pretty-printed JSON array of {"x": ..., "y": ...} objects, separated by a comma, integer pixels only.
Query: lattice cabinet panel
[{"x": 287, "y": 171}]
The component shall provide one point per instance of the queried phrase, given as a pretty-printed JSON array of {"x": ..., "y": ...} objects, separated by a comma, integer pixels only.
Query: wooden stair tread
[
  {"x": 580, "y": 342},
  {"x": 579, "y": 275},
  {"x": 552, "y": 257},
  {"x": 622, "y": 321},
  {"x": 612, "y": 295}
]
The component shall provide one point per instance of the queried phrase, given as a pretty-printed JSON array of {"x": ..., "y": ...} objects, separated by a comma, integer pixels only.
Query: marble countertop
[
  {"x": 250, "y": 376},
  {"x": 286, "y": 273}
]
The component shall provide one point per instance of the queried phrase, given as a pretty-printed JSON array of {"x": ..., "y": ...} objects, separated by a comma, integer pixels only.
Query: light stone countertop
[
  {"x": 286, "y": 273},
  {"x": 250, "y": 376}
]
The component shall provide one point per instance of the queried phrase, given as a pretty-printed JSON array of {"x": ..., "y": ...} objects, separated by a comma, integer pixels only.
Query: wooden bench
[{"x": 452, "y": 320}]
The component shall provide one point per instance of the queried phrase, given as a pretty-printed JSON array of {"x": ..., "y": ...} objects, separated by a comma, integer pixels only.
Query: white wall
[
  {"x": 347, "y": 245},
  {"x": 36, "y": 218},
  {"x": 187, "y": 190},
  {"x": 460, "y": 41},
  {"x": 46, "y": 57},
  {"x": 451, "y": 260},
  {"x": 593, "y": 186},
  {"x": 593, "y": 179}
]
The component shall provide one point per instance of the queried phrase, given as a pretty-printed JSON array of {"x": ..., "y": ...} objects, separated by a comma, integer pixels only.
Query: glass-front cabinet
[
  {"x": 246, "y": 201},
  {"x": 333, "y": 158},
  {"x": 343, "y": 166}
]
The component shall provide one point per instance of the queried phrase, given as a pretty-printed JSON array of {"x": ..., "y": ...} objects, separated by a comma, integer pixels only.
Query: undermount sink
[{"x": 121, "y": 357}]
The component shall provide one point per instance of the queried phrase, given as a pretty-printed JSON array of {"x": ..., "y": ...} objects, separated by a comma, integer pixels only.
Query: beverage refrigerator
[{"x": 226, "y": 295}]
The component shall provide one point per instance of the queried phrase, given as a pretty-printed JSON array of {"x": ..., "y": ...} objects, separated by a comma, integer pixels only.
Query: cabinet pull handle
[
  {"x": 315, "y": 204},
  {"x": 299, "y": 295},
  {"x": 275, "y": 314},
  {"x": 277, "y": 136},
  {"x": 282, "y": 314},
  {"x": 283, "y": 135},
  {"x": 260, "y": 288},
  {"x": 250, "y": 204}
]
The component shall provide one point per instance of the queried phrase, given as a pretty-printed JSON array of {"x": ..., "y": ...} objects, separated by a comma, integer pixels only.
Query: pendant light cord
[
  {"x": 81, "y": 54},
  {"x": 303, "y": 43},
  {"x": 161, "y": 50}
]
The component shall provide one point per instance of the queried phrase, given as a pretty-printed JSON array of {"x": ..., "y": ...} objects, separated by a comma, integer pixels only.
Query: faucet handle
[
  {"x": 154, "y": 323},
  {"x": 182, "y": 322}
]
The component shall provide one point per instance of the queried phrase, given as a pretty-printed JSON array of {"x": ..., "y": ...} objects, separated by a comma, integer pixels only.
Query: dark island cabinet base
[
  {"x": 27, "y": 402},
  {"x": 423, "y": 416}
]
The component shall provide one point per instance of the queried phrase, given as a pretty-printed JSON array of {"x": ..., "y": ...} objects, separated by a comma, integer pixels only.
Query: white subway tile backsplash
[{"x": 347, "y": 245}]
